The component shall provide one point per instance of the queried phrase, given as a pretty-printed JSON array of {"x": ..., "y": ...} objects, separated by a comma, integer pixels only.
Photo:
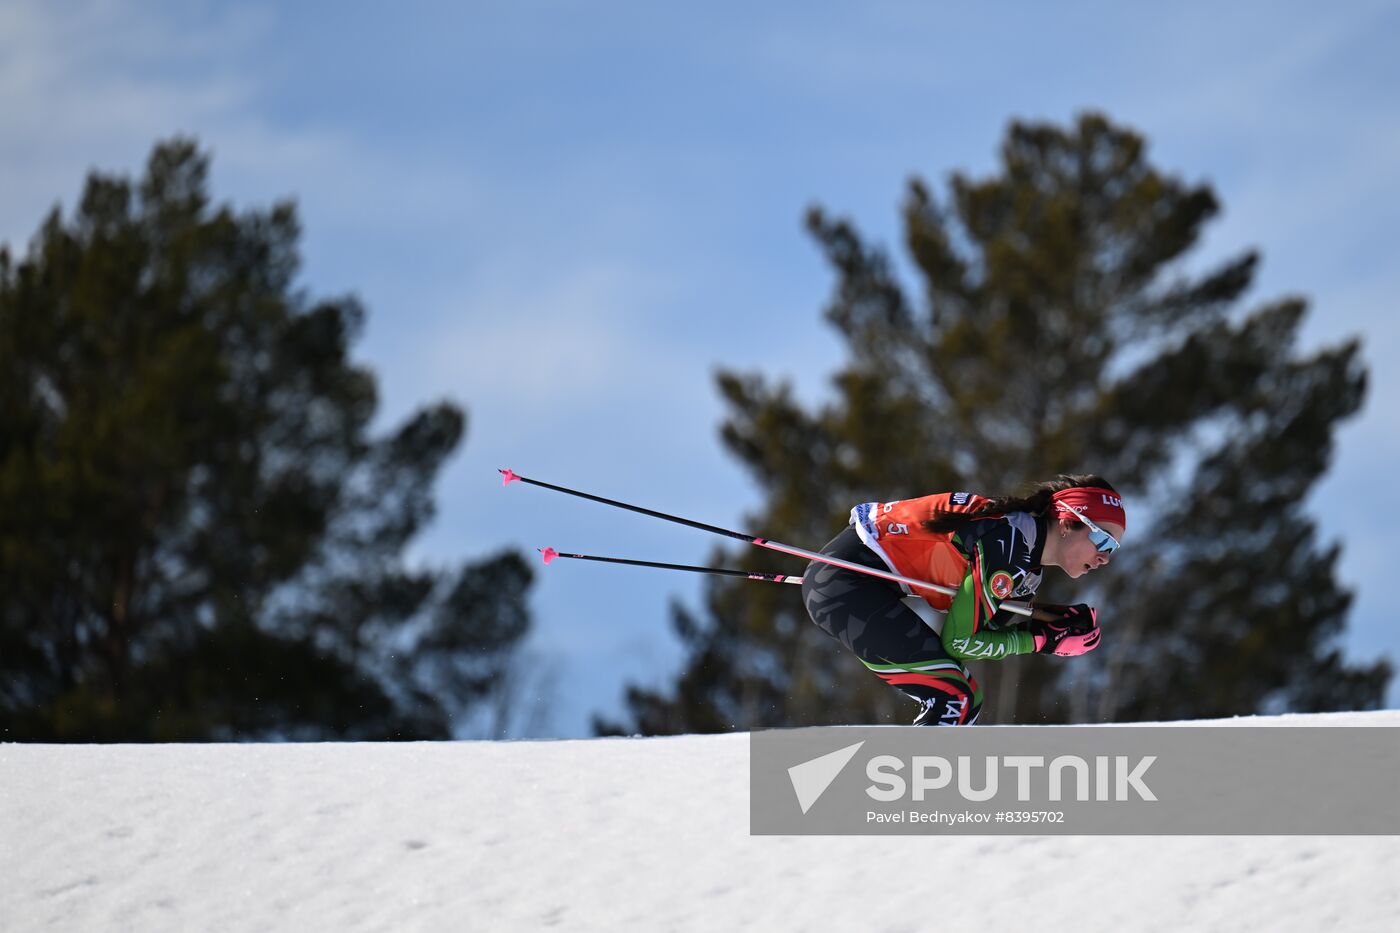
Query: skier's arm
[{"x": 965, "y": 635}]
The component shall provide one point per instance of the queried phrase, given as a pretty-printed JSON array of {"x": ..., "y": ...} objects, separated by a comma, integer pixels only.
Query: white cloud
[
  {"x": 88, "y": 82},
  {"x": 95, "y": 85},
  {"x": 574, "y": 336}
]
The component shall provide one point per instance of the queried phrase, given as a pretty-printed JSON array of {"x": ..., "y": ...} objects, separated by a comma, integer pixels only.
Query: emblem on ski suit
[{"x": 1001, "y": 584}]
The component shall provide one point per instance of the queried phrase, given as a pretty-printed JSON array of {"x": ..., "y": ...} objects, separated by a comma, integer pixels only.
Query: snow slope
[{"x": 601, "y": 834}]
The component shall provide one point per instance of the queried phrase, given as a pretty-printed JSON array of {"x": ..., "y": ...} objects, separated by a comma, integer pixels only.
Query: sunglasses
[{"x": 1100, "y": 539}]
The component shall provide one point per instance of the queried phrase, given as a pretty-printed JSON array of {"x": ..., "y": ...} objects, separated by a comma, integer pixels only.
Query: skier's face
[{"x": 1079, "y": 554}]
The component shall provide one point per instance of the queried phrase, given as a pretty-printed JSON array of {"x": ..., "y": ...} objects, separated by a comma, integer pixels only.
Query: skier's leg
[
  {"x": 869, "y": 617},
  {"x": 948, "y": 698}
]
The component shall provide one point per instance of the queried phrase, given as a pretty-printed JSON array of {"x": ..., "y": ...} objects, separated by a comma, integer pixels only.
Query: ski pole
[
  {"x": 509, "y": 476},
  {"x": 550, "y": 554}
]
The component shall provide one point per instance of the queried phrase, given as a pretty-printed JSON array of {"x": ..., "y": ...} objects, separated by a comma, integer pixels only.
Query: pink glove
[{"x": 1068, "y": 644}]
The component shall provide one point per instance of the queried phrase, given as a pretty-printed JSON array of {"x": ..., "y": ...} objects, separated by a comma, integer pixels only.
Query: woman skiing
[{"x": 991, "y": 550}]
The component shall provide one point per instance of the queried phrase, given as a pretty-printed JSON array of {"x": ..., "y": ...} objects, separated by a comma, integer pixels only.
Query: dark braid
[{"x": 1037, "y": 501}]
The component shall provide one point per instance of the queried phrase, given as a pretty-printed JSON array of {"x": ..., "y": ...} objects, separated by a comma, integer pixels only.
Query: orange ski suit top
[{"x": 989, "y": 560}]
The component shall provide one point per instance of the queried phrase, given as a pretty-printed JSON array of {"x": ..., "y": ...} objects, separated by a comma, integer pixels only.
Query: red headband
[{"x": 1101, "y": 505}]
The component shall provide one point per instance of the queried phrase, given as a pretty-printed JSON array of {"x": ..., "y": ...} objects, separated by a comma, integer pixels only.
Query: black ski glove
[
  {"x": 1076, "y": 631},
  {"x": 1078, "y": 618}
]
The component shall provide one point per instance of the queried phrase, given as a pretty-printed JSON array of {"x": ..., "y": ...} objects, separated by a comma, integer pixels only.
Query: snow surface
[{"x": 600, "y": 834}]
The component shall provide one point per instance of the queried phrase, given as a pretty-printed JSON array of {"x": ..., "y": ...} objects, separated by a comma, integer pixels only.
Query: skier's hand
[
  {"x": 1069, "y": 645},
  {"x": 1076, "y": 631},
  {"x": 1079, "y": 617}
]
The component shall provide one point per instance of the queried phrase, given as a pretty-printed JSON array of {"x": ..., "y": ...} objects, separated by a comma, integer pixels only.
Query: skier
[{"x": 991, "y": 550}]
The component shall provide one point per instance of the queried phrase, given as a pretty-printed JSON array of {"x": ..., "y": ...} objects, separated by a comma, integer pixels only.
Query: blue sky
[{"x": 566, "y": 216}]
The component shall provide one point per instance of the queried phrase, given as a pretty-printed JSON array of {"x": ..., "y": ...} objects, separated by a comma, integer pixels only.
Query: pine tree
[
  {"x": 199, "y": 538},
  {"x": 1058, "y": 328}
]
